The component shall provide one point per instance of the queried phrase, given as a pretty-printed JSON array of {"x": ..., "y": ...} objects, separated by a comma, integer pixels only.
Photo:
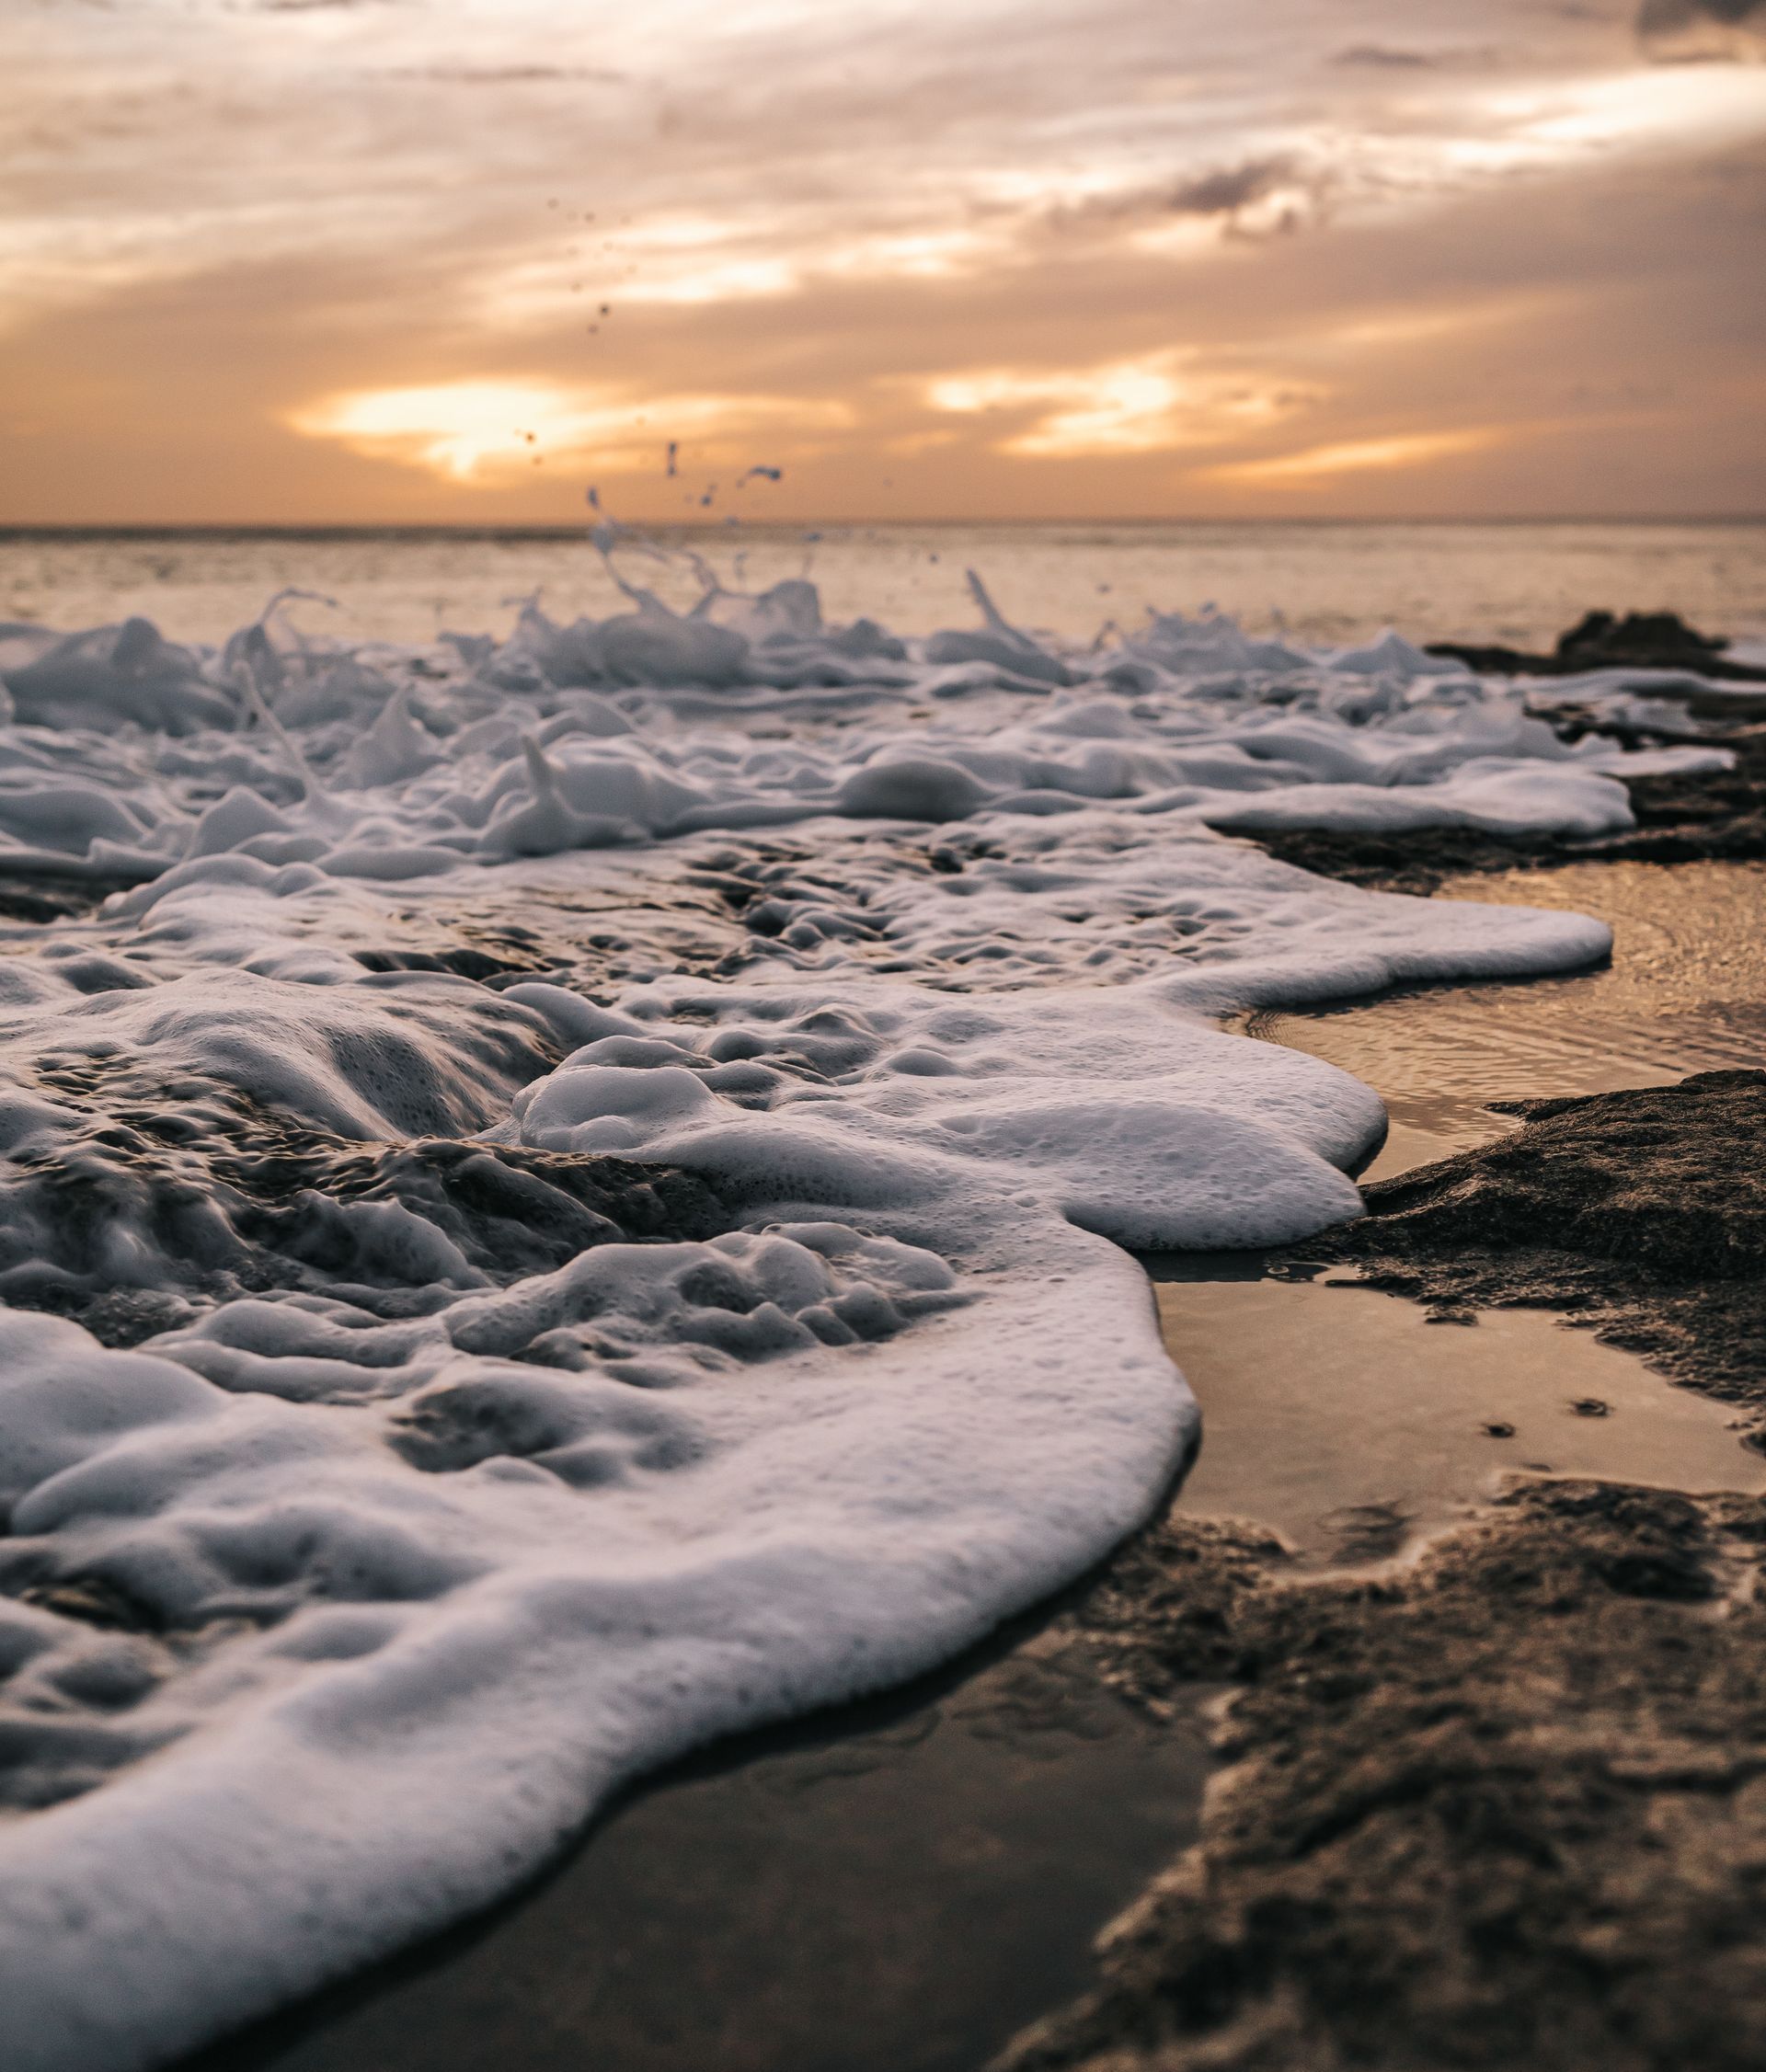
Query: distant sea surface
[{"x": 1327, "y": 582}]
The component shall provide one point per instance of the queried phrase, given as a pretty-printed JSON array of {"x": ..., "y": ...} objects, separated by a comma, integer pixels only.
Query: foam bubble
[{"x": 565, "y": 1196}]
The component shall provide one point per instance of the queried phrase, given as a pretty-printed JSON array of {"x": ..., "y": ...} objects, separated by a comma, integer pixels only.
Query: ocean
[
  {"x": 573, "y": 1193},
  {"x": 1325, "y": 582}
]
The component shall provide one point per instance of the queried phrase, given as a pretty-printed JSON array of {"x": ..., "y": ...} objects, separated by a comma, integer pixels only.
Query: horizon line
[{"x": 565, "y": 529}]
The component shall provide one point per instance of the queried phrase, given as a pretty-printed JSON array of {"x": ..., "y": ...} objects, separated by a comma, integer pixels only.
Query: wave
[{"x": 565, "y": 1196}]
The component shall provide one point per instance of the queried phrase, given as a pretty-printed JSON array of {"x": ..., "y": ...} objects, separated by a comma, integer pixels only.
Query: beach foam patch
[{"x": 570, "y": 1200}]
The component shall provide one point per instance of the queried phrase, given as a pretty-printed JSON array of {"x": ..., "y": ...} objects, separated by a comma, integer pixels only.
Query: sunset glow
[
  {"x": 470, "y": 431},
  {"x": 359, "y": 261},
  {"x": 1323, "y": 464},
  {"x": 1136, "y": 407}
]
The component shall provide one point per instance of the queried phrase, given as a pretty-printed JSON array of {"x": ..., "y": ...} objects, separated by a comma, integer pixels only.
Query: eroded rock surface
[
  {"x": 1504, "y": 1804},
  {"x": 1599, "y": 640},
  {"x": 1504, "y": 1807}
]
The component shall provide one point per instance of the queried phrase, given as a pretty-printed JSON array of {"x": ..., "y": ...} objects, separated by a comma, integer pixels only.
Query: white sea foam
[{"x": 456, "y": 1471}]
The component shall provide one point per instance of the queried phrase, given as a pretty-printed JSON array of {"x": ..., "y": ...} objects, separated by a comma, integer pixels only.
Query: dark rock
[
  {"x": 1644, "y": 1212},
  {"x": 1599, "y": 640},
  {"x": 1504, "y": 1804},
  {"x": 1501, "y": 1807},
  {"x": 1681, "y": 819}
]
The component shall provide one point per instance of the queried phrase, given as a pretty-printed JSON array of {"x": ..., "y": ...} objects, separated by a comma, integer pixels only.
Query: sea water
[
  {"x": 565, "y": 1192},
  {"x": 1520, "y": 582}
]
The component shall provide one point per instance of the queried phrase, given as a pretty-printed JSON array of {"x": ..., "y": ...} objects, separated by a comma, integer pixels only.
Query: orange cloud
[
  {"x": 475, "y": 431},
  {"x": 1321, "y": 465},
  {"x": 1159, "y": 404}
]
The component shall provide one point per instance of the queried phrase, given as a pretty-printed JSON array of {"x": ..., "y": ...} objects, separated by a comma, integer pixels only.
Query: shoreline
[
  {"x": 1096, "y": 1104},
  {"x": 1494, "y": 1806},
  {"x": 1492, "y": 1802},
  {"x": 1373, "y": 1766}
]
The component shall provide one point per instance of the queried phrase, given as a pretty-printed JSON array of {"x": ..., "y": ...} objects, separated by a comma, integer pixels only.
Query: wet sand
[
  {"x": 1343, "y": 1417},
  {"x": 1501, "y": 1805},
  {"x": 1498, "y": 1797},
  {"x": 895, "y": 1887}
]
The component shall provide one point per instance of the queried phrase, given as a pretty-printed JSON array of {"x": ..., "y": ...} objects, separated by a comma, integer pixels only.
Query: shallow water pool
[
  {"x": 1685, "y": 992},
  {"x": 1342, "y": 1415}
]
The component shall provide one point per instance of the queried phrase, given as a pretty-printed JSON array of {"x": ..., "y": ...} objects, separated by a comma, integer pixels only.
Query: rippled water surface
[
  {"x": 1685, "y": 991},
  {"x": 1346, "y": 1419},
  {"x": 1341, "y": 1415}
]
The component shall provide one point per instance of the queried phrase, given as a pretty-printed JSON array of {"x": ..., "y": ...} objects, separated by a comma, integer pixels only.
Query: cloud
[
  {"x": 1677, "y": 14},
  {"x": 491, "y": 74},
  {"x": 475, "y": 431},
  {"x": 1702, "y": 28},
  {"x": 1382, "y": 56},
  {"x": 239, "y": 212},
  {"x": 1230, "y": 187},
  {"x": 1274, "y": 192},
  {"x": 1401, "y": 58},
  {"x": 1320, "y": 466},
  {"x": 1156, "y": 405}
]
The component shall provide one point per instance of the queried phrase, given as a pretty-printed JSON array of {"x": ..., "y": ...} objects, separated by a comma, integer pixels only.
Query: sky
[{"x": 460, "y": 261}]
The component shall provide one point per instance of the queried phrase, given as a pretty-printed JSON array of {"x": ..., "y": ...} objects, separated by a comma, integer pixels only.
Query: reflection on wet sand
[
  {"x": 1349, "y": 1422},
  {"x": 893, "y": 1887}
]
